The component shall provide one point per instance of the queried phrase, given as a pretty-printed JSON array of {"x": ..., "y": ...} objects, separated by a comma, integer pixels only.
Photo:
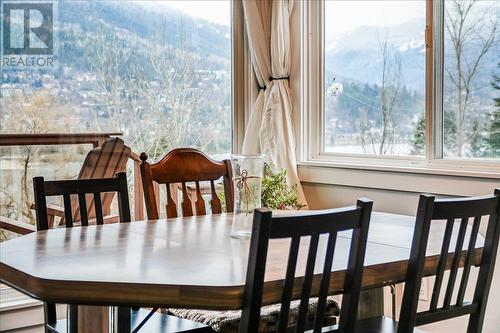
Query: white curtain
[{"x": 270, "y": 127}]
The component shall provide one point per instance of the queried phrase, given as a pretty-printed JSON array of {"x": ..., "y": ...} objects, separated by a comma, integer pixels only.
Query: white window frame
[{"x": 310, "y": 143}]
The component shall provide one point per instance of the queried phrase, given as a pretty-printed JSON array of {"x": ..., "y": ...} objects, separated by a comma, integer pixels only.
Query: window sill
[
  {"x": 445, "y": 182},
  {"x": 440, "y": 168},
  {"x": 12, "y": 299}
]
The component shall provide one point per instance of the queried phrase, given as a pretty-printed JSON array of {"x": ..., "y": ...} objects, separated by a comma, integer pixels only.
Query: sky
[
  {"x": 344, "y": 16},
  {"x": 367, "y": 12},
  {"x": 341, "y": 16},
  {"x": 217, "y": 11}
]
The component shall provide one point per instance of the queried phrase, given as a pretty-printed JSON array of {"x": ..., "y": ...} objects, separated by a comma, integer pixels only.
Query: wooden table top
[{"x": 186, "y": 262}]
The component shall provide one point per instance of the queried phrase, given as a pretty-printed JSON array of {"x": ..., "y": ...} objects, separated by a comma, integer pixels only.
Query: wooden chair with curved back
[{"x": 183, "y": 166}]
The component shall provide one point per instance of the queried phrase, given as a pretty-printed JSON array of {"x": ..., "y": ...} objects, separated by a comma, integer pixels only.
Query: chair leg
[
  {"x": 73, "y": 318},
  {"x": 393, "y": 301},
  {"x": 49, "y": 311},
  {"x": 123, "y": 321}
]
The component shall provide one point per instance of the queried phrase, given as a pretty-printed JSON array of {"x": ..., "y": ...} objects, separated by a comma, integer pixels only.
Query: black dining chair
[
  {"x": 297, "y": 228},
  {"x": 141, "y": 319},
  {"x": 431, "y": 210}
]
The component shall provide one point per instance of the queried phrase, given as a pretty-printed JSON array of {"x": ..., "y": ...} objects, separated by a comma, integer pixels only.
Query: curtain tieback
[{"x": 275, "y": 78}]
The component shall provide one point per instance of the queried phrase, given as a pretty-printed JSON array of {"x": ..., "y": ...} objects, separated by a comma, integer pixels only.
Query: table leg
[
  {"x": 371, "y": 303},
  {"x": 93, "y": 319}
]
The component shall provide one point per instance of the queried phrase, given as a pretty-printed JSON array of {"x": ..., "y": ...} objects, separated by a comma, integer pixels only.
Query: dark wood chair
[
  {"x": 97, "y": 189},
  {"x": 186, "y": 165},
  {"x": 431, "y": 210},
  {"x": 328, "y": 223},
  {"x": 83, "y": 188}
]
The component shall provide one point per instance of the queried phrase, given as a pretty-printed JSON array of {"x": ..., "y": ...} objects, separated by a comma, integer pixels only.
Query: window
[
  {"x": 413, "y": 82},
  {"x": 159, "y": 72},
  {"x": 374, "y": 88},
  {"x": 471, "y": 120}
]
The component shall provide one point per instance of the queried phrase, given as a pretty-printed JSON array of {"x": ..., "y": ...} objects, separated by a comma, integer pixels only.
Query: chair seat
[
  {"x": 228, "y": 321},
  {"x": 379, "y": 325}
]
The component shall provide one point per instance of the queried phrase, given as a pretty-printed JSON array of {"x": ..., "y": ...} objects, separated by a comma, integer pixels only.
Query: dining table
[{"x": 193, "y": 262}]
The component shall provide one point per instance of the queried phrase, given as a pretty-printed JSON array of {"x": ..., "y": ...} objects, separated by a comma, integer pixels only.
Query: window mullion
[{"x": 436, "y": 59}]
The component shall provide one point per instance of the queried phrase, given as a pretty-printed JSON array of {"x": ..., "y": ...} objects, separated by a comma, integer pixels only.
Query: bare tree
[
  {"x": 382, "y": 142},
  {"x": 154, "y": 94},
  {"x": 29, "y": 113},
  {"x": 466, "y": 27}
]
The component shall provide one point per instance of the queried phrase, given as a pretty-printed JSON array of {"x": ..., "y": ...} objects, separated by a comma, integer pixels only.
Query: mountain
[
  {"x": 128, "y": 20},
  {"x": 356, "y": 54}
]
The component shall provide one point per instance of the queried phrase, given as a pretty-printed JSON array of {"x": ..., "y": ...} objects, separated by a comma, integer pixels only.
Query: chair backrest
[
  {"x": 103, "y": 162},
  {"x": 328, "y": 223},
  {"x": 186, "y": 165},
  {"x": 82, "y": 188},
  {"x": 448, "y": 211}
]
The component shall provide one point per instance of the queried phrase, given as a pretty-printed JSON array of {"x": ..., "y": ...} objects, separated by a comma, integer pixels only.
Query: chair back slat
[
  {"x": 463, "y": 209},
  {"x": 441, "y": 265},
  {"x": 80, "y": 187},
  {"x": 98, "y": 208},
  {"x": 467, "y": 264},
  {"x": 187, "y": 205},
  {"x": 215, "y": 203},
  {"x": 199, "y": 203},
  {"x": 313, "y": 226},
  {"x": 67, "y": 210},
  {"x": 325, "y": 284},
  {"x": 186, "y": 165},
  {"x": 84, "y": 220},
  {"x": 286, "y": 297},
  {"x": 457, "y": 255},
  {"x": 307, "y": 284},
  {"x": 171, "y": 207}
]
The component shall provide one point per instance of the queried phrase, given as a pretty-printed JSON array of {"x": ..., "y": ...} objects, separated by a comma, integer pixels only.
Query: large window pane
[
  {"x": 157, "y": 71},
  {"x": 471, "y": 94},
  {"x": 374, "y": 77}
]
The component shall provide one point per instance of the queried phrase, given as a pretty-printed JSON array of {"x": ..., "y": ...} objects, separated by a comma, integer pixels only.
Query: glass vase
[{"x": 247, "y": 181}]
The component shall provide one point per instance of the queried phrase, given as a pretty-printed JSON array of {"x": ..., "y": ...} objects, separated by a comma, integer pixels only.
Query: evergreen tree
[
  {"x": 418, "y": 141},
  {"x": 450, "y": 133}
]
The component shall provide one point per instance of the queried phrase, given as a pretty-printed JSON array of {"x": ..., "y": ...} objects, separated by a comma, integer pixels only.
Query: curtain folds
[{"x": 270, "y": 126}]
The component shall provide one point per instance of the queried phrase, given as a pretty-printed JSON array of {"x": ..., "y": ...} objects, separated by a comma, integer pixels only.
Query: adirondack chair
[{"x": 101, "y": 162}]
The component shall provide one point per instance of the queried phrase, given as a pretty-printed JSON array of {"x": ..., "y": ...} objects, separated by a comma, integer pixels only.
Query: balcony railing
[{"x": 94, "y": 139}]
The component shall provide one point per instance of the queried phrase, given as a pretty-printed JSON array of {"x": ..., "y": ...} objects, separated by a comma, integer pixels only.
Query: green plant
[{"x": 276, "y": 193}]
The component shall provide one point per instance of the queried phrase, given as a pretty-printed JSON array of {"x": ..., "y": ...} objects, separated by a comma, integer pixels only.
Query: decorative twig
[{"x": 242, "y": 184}]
